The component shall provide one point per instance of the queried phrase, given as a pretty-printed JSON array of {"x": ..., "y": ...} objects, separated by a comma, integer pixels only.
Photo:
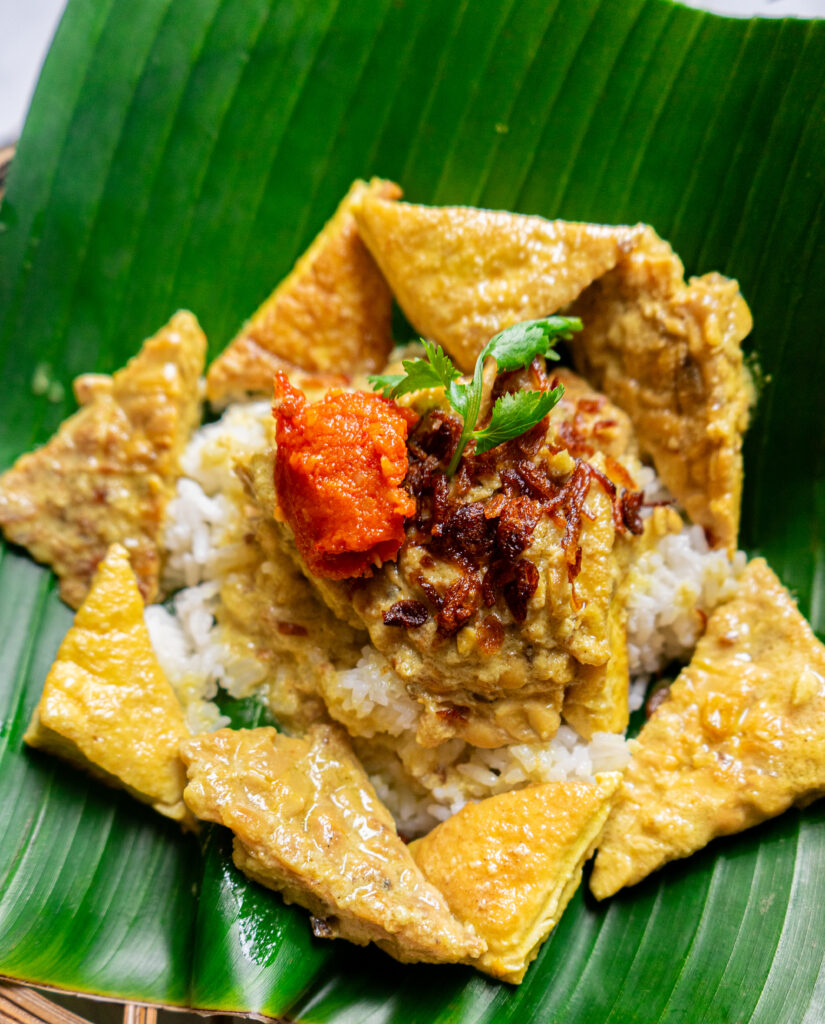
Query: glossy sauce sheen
[
  {"x": 308, "y": 823},
  {"x": 740, "y": 738}
]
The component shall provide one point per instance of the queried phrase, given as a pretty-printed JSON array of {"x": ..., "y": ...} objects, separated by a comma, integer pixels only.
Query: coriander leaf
[
  {"x": 512, "y": 348},
  {"x": 420, "y": 375},
  {"x": 385, "y": 383},
  {"x": 517, "y": 346},
  {"x": 460, "y": 395},
  {"x": 434, "y": 371},
  {"x": 513, "y": 415},
  {"x": 440, "y": 362},
  {"x": 466, "y": 400}
]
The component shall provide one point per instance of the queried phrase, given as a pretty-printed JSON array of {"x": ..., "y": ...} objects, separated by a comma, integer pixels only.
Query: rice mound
[
  {"x": 205, "y": 524},
  {"x": 672, "y": 590},
  {"x": 422, "y": 787}
]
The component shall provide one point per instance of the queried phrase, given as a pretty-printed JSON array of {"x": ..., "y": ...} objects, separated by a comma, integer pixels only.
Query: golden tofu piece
[
  {"x": 740, "y": 738},
  {"x": 330, "y": 315},
  {"x": 669, "y": 354},
  {"x": 509, "y": 864},
  {"x": 89, "y": 386},
  {"x": 597, "y": 701},
  {"x": 245, "y": 369},
  {"x": 307, "y": 823},
  {"x": 107, "y": 707},
  {"x": 461, "y": 274},
  {"x": 107, "y": 474}
]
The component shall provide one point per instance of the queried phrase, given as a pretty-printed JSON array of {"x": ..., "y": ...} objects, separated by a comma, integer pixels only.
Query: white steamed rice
[{"x": 674, "y": 588}]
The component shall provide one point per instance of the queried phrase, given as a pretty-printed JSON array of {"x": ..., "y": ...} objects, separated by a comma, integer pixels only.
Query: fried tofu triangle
[
  {"x": 307, "y": 823},
  {"x": 669, "y": 354},
  {"x": 740, "y": 738},
  {"x": 598, "y": 700},
  {"x": 107, "y": 707},
  {"x": 461, "y": 274},
  {"x": 330, "y": 315},
  {"x": 108, "y": 473},
  {"x": 509, "y": 864}
]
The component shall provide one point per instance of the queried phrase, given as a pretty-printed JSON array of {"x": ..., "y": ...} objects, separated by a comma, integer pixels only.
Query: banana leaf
[{"x": 181, "y": 153}]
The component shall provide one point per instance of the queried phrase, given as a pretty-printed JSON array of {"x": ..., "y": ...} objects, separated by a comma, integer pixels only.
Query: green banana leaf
[{"x": 181, "y": 153}]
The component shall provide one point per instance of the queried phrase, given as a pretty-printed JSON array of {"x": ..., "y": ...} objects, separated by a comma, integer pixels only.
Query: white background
[
  {"x": 27, "y": 26},
  {"x": 26, "y": 29}
]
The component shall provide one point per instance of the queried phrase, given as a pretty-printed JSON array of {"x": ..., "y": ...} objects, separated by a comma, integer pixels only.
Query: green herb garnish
[{"x": 512, "y": 349}]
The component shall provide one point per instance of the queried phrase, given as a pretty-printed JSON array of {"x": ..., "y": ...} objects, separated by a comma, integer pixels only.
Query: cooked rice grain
[{"x": 674, "y": 588}]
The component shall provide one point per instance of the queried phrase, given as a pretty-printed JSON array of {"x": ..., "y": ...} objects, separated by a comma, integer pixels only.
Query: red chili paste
[{"x": 338, "y": 475}]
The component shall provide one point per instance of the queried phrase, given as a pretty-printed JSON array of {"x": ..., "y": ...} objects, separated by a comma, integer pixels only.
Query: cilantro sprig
[{"x": 512, "y": 414}]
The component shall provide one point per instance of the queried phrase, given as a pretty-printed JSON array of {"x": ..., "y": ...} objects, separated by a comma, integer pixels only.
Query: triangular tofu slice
[
  {"x": 598, "y": 699},
  {"x": 461, "y": 274},
  {"x": 669, "y": 354},
  {"x": 246, "y": 369},
  {"x": 330, "y": 315},
  {"x": 107, "y": 707},
  {"x": 89, "y": 386},
  {"x": 307, "y": 823},
  {"x": 740, "y": 738},
  {"x": 509, "y": 865},
  {"x": 107, "y": 474}
]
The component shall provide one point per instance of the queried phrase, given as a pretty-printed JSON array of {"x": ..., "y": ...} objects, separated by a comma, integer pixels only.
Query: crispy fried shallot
[{"x": 486, "y": 539}]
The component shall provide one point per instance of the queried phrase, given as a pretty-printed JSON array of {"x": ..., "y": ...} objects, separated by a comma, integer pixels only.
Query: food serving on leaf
[{"x": 449, "y": 571}]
